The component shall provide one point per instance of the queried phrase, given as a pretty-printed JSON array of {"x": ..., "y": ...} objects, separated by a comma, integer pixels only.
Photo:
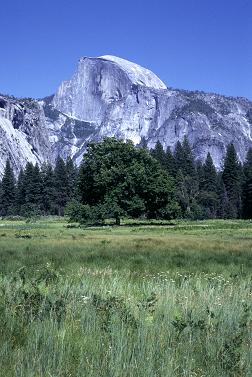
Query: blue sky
[{"x": 189, "y": 44}]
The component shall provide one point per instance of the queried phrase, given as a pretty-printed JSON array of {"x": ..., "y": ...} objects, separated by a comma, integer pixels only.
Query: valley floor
[{"x": 141, "y": 300}]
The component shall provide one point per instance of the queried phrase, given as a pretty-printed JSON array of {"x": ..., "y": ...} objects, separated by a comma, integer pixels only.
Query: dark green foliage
[
  {"x": 187, "y": 183},
  {"x": 72, "y": 174},
  {"x": 7, "y": 201},
  {"x": 123, "y": 180},
  {"x": 61, "y": 186},
  {"x": 31, "y": 186},
  {"x": 170, "y": 163},
  {"x": 200, "y": 174},
  {"x": 184, "y": 159},
  {"x": 86, "y": 214},
  {"x": 36, "y": 189},
  {"x": 247, "y": 186},
  {"x": 107, "y": 308},
  {"x": 208, "y": 198},
  {"x": 27, "y": 298},
  {"x": 188, "y": 166},
  {"x": 159, "y": 154},
  {"x": 232, "y": 178},
  {"x": 181, "y": 324},
  {"x": 187, "y": 195},
  {"x": 223, "y": 210},
  {"x": 48, "y": 190},
  {"x": 20, "y": 192},
  {"x": 209, "y": 175},
  {"x": 200, "y": 191},
  {"x": 181, "y": 191},
  {"x": 119, "y": 180},
  {"x": 179, "y": 157},
  {"x": 193, "y": 106}
]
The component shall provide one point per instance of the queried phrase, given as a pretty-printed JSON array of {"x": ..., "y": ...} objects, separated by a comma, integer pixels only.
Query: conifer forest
[{"x": 117, "y": 180}]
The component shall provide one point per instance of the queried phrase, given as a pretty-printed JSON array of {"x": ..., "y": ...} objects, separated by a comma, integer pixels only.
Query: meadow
[{"x": 157, "y": 299}]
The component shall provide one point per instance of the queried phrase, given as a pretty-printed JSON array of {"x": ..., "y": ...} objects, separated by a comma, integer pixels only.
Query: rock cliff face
[
  {"x": 109, "y": 96},
  {"x": 23, "y": 133}
]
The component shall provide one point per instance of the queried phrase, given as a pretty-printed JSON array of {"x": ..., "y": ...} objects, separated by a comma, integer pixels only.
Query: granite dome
[
  {"x": 137, "y": 74},
  {"x": 111, "y": 97}
]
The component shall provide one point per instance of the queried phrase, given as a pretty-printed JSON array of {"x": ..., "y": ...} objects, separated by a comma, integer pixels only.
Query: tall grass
[
  {"x": 104, "y": 323},
  {"x": 116, "y": 302}
]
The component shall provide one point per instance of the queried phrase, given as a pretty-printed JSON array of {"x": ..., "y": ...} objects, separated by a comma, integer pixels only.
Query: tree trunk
[{"x": 118, "y": 221}]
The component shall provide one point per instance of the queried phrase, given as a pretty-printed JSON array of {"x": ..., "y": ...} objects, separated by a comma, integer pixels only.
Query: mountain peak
[
  {"x": 137, "y": 74},
  {"x": 110, "y": 96},
  {"x": 99, "y": 82}
]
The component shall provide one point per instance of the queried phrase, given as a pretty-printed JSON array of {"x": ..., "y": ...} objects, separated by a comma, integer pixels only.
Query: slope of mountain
[
  {"x": 23, "y": 133},
  {"x": 110, "y": 96}
]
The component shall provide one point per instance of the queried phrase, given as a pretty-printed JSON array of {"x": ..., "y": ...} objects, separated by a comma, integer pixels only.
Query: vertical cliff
[{"x": 110, "y": 96}]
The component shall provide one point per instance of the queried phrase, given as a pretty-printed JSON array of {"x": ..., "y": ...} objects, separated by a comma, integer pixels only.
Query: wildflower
[{"x": 85, "y": 299}]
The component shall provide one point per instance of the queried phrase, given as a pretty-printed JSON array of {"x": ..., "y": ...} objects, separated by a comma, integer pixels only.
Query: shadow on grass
[{"x": 127, "y": 225}]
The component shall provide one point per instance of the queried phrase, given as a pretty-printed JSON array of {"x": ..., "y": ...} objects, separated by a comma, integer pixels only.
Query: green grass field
[{"x": 143, "y": 300}]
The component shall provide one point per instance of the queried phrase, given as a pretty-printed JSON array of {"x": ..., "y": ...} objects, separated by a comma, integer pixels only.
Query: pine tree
[
  {"x": 232, "y": 178},
  {"x": 61, "y": 186},
  {"x": 7, "y": 191},
  {"x": 209, "y": 175},
  {"x": 179, "y": 157},
  {"x": 32, "y": 182},
  {"x": 200, "y": 174},
  {"x": 72, "y": 173},
  {"x": 182, "y": 192},
  {"x": 223, "y": 209},
  {"x": 208, "y": 198},
  {"x": 20, "y": 192},
  {"x": 247, "y": 167},
  {"x": 37, "y": 186},
  {"x": 28, "y": 183},
  {"x": 247, "y": 187},
  {"x": 159, "y": 154},
  {"x": 170, "y": 164},
  {"x": 48, "y": 190},
  {"x": 189, "y": 163},
  {"x": 184, "y": 159},
  {"x": 189, "y": 185}
]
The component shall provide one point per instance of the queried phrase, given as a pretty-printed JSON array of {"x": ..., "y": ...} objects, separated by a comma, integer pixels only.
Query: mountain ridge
[{"x": 103, "y": 98}]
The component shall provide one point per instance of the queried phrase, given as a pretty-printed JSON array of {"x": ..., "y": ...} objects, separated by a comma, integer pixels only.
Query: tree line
[
  {"x": 203, "y": 192},
  {"x": 44, "y": 190},
  {"x": 117, "y": 179}
]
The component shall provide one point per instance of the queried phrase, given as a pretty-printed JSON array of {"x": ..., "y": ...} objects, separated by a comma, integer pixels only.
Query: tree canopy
[
  {"x": 125, "y": 181},
  {"x": 117, "y": 179}
]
